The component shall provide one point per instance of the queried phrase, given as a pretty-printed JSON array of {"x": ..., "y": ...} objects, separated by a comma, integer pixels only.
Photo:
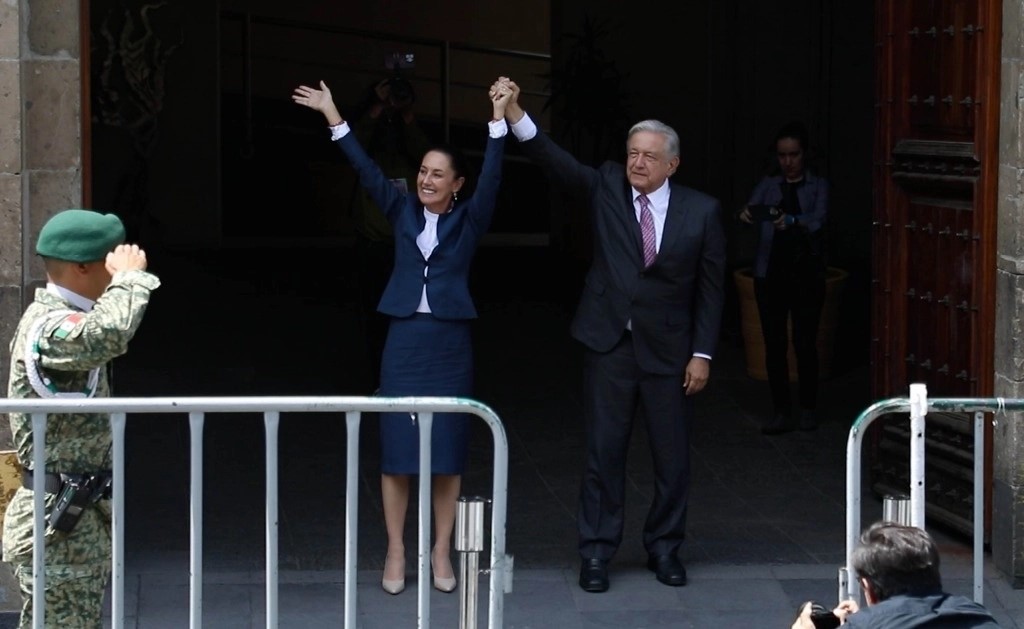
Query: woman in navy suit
[
  {"x": 428, "y": 351},
  {"x": 789, "y": 275}
]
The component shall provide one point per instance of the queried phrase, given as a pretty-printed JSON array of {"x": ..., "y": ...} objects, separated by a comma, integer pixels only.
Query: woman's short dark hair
[
  {"x": 455, "y": 157},
  {"x": 897, "y": 559}
]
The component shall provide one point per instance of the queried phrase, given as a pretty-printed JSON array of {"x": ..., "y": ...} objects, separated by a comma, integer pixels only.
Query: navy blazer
[
  {"x": 813, "y": 198},
  {"x": 675, "y": 306},
  {"x": 446, "y": 274}
]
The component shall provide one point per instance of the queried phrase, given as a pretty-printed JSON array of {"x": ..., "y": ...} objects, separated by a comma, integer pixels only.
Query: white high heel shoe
[
  {"x": 442, "y": 584},
  {"x": 393, "y": 586}
]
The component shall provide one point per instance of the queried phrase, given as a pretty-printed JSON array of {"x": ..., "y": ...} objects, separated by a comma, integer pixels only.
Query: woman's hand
[
  {"x": 744, "y": 216},
  {"x": 500, "y": 95},
  {"x": 319, "y": 100}
]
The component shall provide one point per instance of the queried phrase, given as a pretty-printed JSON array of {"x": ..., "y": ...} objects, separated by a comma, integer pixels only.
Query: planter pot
[{"x": 753, "y": 341}]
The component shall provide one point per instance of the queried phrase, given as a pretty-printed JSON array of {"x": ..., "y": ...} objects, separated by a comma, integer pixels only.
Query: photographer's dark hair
[
  {"x": 897, "y": 559},
  {"x": 796, "y": 131}
]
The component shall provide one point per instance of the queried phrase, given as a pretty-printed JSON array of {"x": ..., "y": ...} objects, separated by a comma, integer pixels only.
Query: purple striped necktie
[{"x": 647, "y": 231}]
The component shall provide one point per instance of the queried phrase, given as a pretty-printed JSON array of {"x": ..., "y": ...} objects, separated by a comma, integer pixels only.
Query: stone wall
[
  {"x": 41, "y": 147},
  {"x": 40, "y": 159},
  {"x": 10, "y": 186},
  {"x": 1008, "y": 432}
]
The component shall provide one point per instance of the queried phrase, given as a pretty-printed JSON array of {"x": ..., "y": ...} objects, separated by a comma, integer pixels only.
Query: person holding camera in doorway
[
  {"x": 386, "y": 126},
  {"x": 789, "y": 210},
  {"x": 428, "y": 351}
]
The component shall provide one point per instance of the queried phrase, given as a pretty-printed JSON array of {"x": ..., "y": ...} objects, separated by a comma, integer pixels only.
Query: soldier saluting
[{"x": 97, "y": 291}]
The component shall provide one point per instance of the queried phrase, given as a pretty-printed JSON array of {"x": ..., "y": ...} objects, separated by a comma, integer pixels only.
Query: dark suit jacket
[
  {"x": 676, "y": 305},
  {"x": 458, "y": 234}
]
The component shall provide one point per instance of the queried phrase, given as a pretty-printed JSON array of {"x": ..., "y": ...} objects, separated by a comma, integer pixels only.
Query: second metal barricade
[{"x": 918, "y": 405}]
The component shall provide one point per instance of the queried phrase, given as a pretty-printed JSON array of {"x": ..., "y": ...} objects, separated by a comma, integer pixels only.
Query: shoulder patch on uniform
[{"x": 67, "y": 325}]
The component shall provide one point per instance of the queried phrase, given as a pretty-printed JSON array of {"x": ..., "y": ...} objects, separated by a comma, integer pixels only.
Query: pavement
[{"x": 766, "y": 524}]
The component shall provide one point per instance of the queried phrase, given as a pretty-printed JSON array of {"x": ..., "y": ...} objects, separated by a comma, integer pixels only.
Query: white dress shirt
[
  {"x": 659, "y": 209},
  {"x": 82, "y": 303}
]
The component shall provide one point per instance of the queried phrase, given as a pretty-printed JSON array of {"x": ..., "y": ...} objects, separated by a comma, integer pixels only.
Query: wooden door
[{"x": 934, "y": 215}]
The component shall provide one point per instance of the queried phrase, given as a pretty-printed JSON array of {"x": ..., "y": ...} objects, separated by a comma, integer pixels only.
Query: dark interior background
[{"x": 198, "y": 146}]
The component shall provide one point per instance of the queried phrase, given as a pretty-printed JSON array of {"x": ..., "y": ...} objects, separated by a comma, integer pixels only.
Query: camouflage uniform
[{"x": 71, "y": 343}]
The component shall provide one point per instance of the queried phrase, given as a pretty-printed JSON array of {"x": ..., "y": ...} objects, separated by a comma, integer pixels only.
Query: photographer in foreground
[{"x": 898, "y": 569}]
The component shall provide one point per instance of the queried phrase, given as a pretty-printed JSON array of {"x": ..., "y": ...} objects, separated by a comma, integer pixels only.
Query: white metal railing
[
  {"x": 500, "y": 569},
  {"x": 918, "y": 405}
]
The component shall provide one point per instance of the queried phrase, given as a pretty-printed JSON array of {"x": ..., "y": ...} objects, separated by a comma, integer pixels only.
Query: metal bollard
[
  {"x": 896, "y": 509},
  {"x": 469, "y": 542}
]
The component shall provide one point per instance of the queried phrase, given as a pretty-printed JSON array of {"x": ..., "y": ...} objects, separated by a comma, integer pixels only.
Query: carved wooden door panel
[{"x": 936, "y": 169}]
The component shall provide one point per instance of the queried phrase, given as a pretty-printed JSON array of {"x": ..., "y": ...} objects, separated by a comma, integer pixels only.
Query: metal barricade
[
  {"x": 918, "y": 405},
  {"x": 500, "y": 569}
]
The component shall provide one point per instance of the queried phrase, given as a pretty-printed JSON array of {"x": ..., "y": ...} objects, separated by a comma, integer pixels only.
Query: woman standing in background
[{"x": 789, "y": 210}]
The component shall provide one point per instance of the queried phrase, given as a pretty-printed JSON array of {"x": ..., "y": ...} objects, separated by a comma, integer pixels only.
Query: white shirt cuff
[
  {"x": 699, "y": 355},
  {"x": 525, "y": 129},
  {"x": 339, "y": 131},
  {"x": 497, "y": 128}
]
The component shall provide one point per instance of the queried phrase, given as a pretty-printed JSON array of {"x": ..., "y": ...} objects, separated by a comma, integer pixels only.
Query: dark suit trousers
[{"x": 615, "y": 388}]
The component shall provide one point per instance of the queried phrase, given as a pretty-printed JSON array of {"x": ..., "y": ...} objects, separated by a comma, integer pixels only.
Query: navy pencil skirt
[{"x": 425, "y": 356}]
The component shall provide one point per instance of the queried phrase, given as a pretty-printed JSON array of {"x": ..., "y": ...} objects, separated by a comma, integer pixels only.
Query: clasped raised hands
[
  {"x": 512, "y": 110},
  {"x": 500, "y": 96}
]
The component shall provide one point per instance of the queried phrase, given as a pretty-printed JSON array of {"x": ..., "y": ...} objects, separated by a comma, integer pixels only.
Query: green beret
[{"x": 80, "y": 236}]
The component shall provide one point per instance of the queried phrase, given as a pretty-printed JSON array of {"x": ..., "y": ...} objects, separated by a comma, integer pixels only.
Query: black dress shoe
[
  {"x": 668, "y": 569},
  {"x": 778, "y": 424},
  {"x": 594, "y": 575}
]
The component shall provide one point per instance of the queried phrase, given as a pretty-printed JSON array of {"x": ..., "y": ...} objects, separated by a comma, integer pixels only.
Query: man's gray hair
[{"x": 657, "y": 126}]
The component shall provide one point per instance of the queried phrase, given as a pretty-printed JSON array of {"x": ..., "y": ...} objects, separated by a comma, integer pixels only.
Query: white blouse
[{"x": 427, "y": 241}]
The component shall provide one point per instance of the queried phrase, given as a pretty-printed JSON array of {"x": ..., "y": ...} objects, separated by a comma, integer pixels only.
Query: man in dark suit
[{"x": 649, "y": 314}]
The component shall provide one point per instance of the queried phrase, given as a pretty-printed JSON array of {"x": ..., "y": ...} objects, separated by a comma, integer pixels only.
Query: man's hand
[
  {"x": 126, "y": 258},
  {"x": 846, "y": 608},
  {"x": 745, "y": 216},
  {"x": 319, "y": 100},
  {"x": 696, "y": 376}
]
